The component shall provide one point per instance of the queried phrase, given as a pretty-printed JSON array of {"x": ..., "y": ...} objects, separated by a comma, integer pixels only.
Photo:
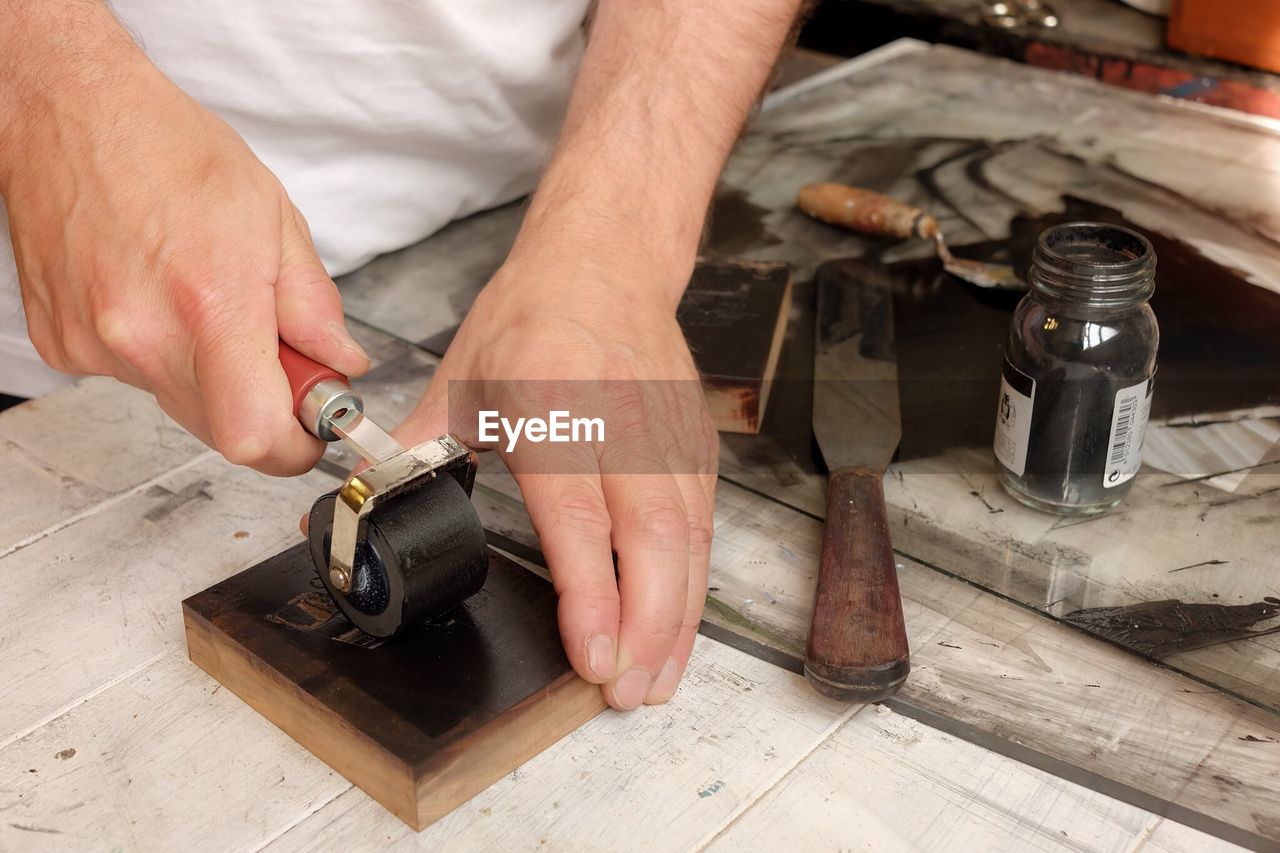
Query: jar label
[
  {"x": 1013, "y": 418},
  {"x": 1128, "y": 429}
]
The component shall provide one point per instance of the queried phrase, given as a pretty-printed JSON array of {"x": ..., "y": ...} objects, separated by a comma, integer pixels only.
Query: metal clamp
[{"x": 392, "y": 476}]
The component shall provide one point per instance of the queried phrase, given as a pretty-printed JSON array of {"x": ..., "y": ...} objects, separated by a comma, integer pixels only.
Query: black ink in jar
[{"x": 1078, "y": 371}]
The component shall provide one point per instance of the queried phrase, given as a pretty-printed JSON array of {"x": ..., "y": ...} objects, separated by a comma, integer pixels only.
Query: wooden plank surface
[
  {"x": 1002, "y": 672},
  {"x": 148, "y": 711},
  {"x": 1016, "y": 676},
  {"x": 165, "y": 760},
  {"x": 743, "y": 744},
  {"x": 664, "y": 779},
  {"x": 133, "y": 442},
  {"x": 170, "y": 760},
  {"x": 94, "y": 600},
  {"x": 860, "y": 789}
]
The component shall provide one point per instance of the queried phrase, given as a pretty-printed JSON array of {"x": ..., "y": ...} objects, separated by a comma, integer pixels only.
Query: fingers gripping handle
[
  {"x": 857, "y": 636},
  {"x": 304, "y": 374},
  {"x": 319, "y": 392}
]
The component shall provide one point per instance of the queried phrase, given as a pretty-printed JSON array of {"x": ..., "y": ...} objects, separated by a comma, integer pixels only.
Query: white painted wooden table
[{"x": 110, "y": 739}]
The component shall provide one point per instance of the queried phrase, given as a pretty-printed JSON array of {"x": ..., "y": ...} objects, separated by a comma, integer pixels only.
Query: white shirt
[{"x": 384, "y": 119}]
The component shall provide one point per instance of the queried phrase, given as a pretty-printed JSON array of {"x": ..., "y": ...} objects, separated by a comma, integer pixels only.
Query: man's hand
[
  {"x": 152, "y": 245},
  {"x": 567, "y": 336},
  {"x": 589, "y": 293}
]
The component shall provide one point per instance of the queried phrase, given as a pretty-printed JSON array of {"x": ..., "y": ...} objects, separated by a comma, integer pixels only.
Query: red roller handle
[{"x": 304, "y": 373}]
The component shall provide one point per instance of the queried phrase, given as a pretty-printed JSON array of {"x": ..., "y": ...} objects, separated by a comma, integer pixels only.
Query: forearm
[
  {"x": 53, "y": 55},
  {"x": 661, "y": 96}
]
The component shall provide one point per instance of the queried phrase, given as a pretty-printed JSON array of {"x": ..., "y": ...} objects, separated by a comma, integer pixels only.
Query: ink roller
[{"x": 399, "y": 543}]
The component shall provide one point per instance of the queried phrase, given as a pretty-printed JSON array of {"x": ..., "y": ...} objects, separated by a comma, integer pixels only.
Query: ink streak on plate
[{"x": 1162, "y": 628}]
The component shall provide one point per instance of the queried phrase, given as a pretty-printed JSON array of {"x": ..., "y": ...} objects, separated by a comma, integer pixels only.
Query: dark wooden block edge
[
  {"x": 472, "y": 754},
  {"x": 499, "y": 748},
  {"x": 328, "y": 737},
  {"x": 734, "y": 315}
]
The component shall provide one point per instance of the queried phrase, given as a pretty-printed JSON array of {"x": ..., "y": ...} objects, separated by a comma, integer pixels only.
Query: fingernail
[
  {"x": 629, "y": 690},
  {"x": 344, "y": 338},
  {"x": 601, "y": 656},
  {"x": 664, "y": 686}
]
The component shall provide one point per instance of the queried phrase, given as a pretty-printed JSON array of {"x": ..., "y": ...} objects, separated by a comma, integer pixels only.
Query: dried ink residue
[
  {"x": 1161, "y": 628},
  {"x": 737, "y": 225},
  {"x": 305, "y": 611}
]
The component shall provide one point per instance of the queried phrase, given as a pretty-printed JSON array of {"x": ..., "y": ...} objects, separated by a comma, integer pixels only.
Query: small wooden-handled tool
[
  {"x": 866, "y": 211},
  {"x": 857, "y": 647},
  {"x": 398, "y": 543},
  {"x": 872, "y": 213}
]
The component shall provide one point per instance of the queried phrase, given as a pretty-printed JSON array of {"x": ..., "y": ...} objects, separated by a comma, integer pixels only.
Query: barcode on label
[
  {"x": 1128, "y": 428},
  {"x": 1124, "y": 423}
]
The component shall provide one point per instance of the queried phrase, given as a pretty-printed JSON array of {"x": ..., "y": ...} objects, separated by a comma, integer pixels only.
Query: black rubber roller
[{"x": 423, "y": 553}]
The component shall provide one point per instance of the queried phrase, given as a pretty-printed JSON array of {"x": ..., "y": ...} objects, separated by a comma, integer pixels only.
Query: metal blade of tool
[
  {"x": 857, "y": 646},
  {"x": 368, "y": 439},
  {"x": 856, "y": 418}
]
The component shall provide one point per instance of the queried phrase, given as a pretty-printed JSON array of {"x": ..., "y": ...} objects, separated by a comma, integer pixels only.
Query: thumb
[
  {"x": 308, "y": 306},
  {"x": 429, "y": 419},
  {"x": 449, "y": 406}
]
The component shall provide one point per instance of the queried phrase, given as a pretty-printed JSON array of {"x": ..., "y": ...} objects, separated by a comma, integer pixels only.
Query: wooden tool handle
[
  {"x": 857, "y": 637},
  {"x": 304, "y": 374},
  {"x": 866, "y": 211}
]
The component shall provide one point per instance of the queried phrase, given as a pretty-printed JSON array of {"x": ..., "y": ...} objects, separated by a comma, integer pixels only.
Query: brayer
[{"x": 400, "y": 542}]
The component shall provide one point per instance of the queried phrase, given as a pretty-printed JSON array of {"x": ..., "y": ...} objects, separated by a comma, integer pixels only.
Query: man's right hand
[{"x": 153, "y": 246}]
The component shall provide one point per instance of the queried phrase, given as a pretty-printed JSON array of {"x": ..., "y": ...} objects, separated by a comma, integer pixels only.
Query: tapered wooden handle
[
  {"x": 866, "y": 211},
  {"x": 857, "y": 637}
]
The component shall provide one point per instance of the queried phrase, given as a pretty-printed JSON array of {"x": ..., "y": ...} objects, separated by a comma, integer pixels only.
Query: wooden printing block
[
  {"x": 734, "y": 316},
  {"x": 421, "y": 722}
]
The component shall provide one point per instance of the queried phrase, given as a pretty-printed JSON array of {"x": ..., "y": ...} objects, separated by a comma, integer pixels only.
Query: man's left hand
[{"x": 547, "y": 336}]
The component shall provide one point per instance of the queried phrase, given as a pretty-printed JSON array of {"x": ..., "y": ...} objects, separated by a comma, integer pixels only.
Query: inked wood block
[
  {"x": 734, "y": 316},
  {"x": 422, "y": 722}
]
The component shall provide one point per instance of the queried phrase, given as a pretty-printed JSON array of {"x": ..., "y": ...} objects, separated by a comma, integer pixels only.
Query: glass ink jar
[{"x": 1078, "y": 371}]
